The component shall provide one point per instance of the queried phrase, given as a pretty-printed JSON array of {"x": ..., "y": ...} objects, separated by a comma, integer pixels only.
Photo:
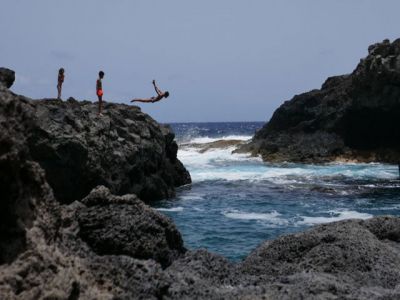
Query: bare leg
[
  {"x": 100, "y": 105},
  {"x": 148, "y": 100}
]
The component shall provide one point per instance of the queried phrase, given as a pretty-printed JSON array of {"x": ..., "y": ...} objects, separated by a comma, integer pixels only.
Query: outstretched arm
[{"x": 158, "y": 91}]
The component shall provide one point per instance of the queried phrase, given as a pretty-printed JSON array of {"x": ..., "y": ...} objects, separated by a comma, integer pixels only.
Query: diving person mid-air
[{"x": 160, "y": 95}]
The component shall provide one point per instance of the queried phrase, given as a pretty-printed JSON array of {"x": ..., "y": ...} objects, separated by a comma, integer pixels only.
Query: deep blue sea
[{"x": 236, "y": 201}]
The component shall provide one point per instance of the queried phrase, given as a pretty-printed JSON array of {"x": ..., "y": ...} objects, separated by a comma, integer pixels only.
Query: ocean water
[{"x": 236, "y": 201}]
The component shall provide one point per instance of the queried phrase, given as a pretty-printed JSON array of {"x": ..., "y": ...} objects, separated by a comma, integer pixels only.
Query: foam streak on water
[{"x": 237, "y": 201}]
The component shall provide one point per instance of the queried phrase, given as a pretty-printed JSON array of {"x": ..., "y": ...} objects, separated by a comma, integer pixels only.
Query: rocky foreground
[
  {"x": 352, "y": 117},
  {"x": 105, "y": 246}
]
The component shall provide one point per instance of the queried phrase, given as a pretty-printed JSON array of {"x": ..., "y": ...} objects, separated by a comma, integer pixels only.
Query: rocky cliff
[
  {"x": 125, "y": 150},
  {"x": 352, "y": 117},
  {"x": 105, "y": 246}
]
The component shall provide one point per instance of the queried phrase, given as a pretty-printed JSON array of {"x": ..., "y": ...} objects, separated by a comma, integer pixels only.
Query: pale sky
[{"x": 221, "y": 60}]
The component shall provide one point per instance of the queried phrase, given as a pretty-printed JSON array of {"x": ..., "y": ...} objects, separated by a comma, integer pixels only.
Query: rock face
[
  {"x": 24, "y": 192},
  {"x": 352, "y": 116},
  {"x": 47, "y": 250},
  {"x": 105, "y": 246},
  {"x": 342, "y": 259},
  {"x": 125, "y": 150},
  {"x": 141, "y": 231},
  {"x": 7, "y": 77}
]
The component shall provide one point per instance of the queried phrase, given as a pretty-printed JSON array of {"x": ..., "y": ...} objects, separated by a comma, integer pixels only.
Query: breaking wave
[{"x": 237, "y": 201}]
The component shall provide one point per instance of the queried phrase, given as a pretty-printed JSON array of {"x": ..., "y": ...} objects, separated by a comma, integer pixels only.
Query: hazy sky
[{"x": 221, "y": 60}]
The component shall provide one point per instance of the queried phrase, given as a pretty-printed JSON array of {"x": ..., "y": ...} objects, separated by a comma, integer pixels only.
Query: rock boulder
[{"x": 124, "y": 225}]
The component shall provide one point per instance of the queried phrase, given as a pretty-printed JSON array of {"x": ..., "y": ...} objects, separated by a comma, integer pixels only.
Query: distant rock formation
[
  {"x": 352, "y": 117},
  {"x": 105, "y": 246},
  {"x": 219, "y": 144}
]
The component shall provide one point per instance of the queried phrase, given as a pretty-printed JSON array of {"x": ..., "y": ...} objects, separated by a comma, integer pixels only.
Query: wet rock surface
[
  {"x": 106, "y": 246},
  {"x": 352, "y": 117}
]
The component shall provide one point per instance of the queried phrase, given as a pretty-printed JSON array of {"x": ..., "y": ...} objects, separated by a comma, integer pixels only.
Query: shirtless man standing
[
  {"x": 160, "y": 95},
  {"x": 99, "y": 92}
]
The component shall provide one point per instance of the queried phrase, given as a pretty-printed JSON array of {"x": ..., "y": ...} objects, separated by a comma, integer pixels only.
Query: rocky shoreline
[
  {"x": 352, "y": 117},
  {"x": 101, "y": 241}
]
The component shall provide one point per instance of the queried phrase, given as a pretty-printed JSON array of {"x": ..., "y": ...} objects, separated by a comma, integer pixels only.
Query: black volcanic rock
[
  {"x": 124, "y": 225},
  {"x": 24, "y": 192},
  {"x": 352, "y": 116},
  {"x": 359, "y": 252},
  {"x": 125, "y": 150},
  {"x": 41, "y": 253},
  {"x": 351, "y": 259},
  {"x": 116, "y": 247},
  {"x": 7, "y": 77}
]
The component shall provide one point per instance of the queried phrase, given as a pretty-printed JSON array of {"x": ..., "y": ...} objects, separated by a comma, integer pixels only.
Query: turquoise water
[{"x": 236, "y": 201}]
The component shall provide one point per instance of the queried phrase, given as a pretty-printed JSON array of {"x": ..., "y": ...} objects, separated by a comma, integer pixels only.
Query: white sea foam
[
  {"x": 252, "y": 173},
  {"x": 173, "y": 209},
  {"x": 198, "y": 209},
  {"x": 191, "y": 197},
  {"x": 272, "y": 217},
  {"x": 222, "y": 164},
  {"x": 192, "y": 159},
  {"x": 204, "y": 140},
  {"x": 335, "y": 216},
  {"x": 235, "y": 214}
]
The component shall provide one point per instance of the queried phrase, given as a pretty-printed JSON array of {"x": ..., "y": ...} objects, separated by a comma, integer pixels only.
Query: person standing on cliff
[
  {"x": 60, "y": 82},
  {"x": 99, "y": 92},
  {"x": 160, "y": 95}
]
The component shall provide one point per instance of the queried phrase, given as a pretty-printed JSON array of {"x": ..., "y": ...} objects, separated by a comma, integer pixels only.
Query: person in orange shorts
[
  {"x": 99, "y": 92},
  {"x": 160, "y": 95}
]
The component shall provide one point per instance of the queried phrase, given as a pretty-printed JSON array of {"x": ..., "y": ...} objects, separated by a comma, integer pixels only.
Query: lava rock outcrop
[
  {"x": 352, "y": 117},
  {"x": 125, "y": 150},
  {"x": 124, "y": 225}
]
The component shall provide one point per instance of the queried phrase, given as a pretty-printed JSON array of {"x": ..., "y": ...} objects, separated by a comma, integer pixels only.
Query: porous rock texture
[
  {"x": 105, "y": 246},
  {"x": 351, "y": 259},
  {"x": 126, "y": 226},
  {"x": 125, "y": 150},
  {"x": 44, "y": 253},
  {"x": 352, "y": 117}
]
